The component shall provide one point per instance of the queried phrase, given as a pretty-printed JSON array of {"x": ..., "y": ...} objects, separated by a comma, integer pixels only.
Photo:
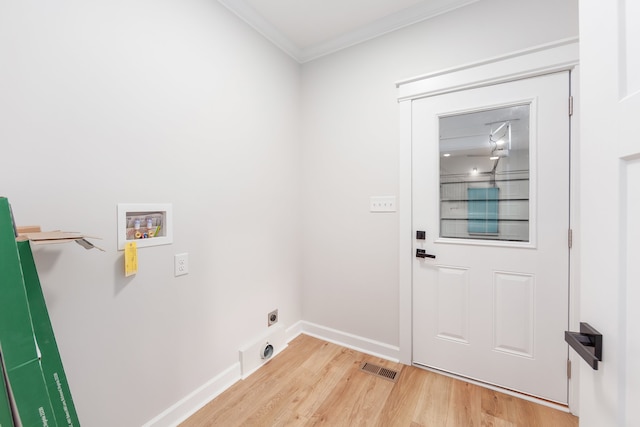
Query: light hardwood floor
[{"x": 313, "y": 382}]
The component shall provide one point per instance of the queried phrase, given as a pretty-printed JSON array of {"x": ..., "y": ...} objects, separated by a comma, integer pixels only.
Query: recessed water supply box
[
  {"x": 148, "y": 224},
  {"x": 254, "y": 355}
]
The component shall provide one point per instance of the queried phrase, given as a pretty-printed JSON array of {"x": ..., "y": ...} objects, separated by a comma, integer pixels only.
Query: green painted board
[
  {"x": 6, "y": 419},
  {"x": 20, "y": 359},
  {"x": 55, "y": 378}
]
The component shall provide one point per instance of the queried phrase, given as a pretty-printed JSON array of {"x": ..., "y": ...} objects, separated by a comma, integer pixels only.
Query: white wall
[
  {"x": 104, "y": 102},
  {"x": 350, "y": 150},
  {"x": 178, "y": 101}
]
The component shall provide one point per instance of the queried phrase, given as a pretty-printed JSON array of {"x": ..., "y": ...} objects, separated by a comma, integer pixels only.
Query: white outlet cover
[
  {"x": 382, "y": 204},
  {"x": 181, "y": 264}
]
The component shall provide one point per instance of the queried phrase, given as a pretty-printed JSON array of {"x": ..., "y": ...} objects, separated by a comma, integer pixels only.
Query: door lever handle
[{"x": 420, "y": 253}]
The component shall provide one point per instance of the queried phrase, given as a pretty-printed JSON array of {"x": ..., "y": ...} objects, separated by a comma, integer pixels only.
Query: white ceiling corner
[
  {"x": 264, "y": 27},
  {"x": 309, "y": 29}
]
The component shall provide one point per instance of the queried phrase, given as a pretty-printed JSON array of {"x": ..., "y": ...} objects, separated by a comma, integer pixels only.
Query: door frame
[{"x": 553, "y": 57}]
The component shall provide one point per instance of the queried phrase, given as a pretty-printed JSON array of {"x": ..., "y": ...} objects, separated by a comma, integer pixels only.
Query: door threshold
[{"x": 520, "y": 395}]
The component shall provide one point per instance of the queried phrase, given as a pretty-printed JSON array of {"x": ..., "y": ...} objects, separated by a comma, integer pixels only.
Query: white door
[
  {"x": 610, "y": 208},
  {"x": 491, "y": 192}
]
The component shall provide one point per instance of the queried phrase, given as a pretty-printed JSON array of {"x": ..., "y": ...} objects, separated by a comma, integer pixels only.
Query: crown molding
[
  {"x": 249, "y": 15},
  {"x": 393, "y": 22},
  {"x": 404, "y": 18}
]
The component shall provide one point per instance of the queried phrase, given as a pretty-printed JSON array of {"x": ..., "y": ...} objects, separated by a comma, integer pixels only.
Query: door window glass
[{"x": 484, "y": 174}]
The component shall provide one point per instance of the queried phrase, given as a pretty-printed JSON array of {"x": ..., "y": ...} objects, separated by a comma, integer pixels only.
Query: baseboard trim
[
  {"x": 354, "y": 342},
  {"x": 294, "y": 330},
  {"x": 189, "y": 405}
]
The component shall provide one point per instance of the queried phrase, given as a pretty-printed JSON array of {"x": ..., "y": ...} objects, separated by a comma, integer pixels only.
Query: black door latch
[{"x": 420, "y": 253}]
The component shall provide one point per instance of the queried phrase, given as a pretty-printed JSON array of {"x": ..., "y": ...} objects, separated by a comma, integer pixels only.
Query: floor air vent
[{"x": 378, "y": 371}]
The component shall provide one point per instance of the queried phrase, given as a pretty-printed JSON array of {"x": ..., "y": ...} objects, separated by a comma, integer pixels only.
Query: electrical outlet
[
  {"x": 272, "y": 318},
  {"x": 181, "y": 264}
]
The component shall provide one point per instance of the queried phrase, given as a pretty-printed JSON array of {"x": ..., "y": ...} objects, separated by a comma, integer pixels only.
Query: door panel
[
  {"x": 514, "y": 322},
  {"x": 610, "y": 208},
  {"x": 493, "y": 305},
  {"x": 632, "y": 297},
  {"x": 453, "y": 304}
]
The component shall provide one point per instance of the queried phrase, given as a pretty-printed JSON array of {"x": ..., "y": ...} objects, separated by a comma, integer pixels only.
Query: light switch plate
[{"x": 382, "y": 204}]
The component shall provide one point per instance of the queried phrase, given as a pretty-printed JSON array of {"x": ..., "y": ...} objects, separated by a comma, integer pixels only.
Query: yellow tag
[{"x": 130, "y": 259}]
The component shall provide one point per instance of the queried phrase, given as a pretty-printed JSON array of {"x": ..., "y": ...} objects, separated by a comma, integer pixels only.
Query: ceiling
[{"x": 309, "y": 29}]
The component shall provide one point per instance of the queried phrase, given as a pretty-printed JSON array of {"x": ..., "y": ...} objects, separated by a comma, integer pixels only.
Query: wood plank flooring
[{"x": 314, "y": 382}]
